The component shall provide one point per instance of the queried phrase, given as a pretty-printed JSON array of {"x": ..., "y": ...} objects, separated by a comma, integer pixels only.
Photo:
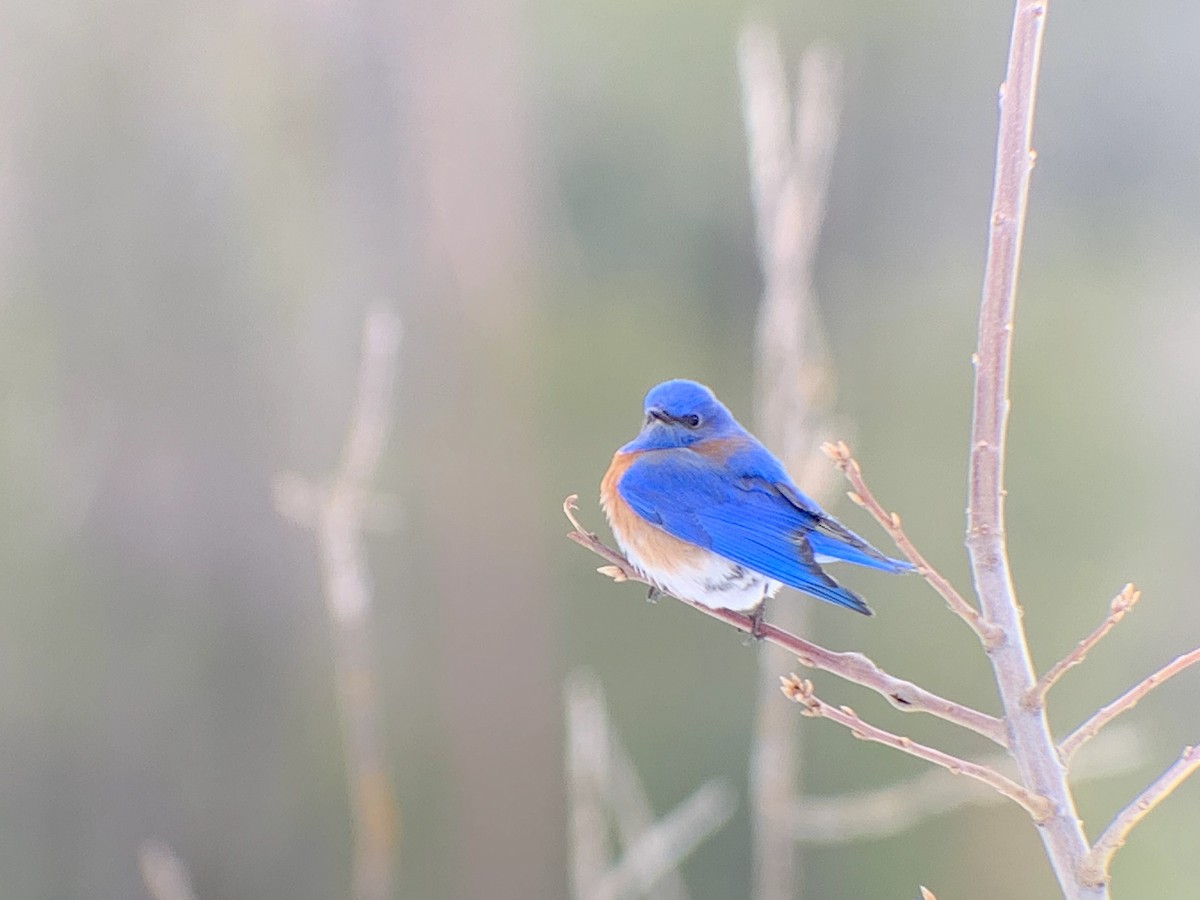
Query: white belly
[{"x": 711, "y": 581}]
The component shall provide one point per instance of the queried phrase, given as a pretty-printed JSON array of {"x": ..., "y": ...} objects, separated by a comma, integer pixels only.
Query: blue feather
[{"x": 745, "y": 509}]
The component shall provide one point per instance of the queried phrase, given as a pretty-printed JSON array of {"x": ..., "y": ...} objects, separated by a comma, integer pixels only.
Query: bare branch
[
  {"x": 1126, "y": 701},
  {"x": 619, "y": 568},
  {"x": 588, "y": 782},
  {"x": 862, "y": 496},
  {"x": 801, "y": 690},
  {"x": 371, "y": 415},
  {"x": 603, "y": 781},
  {"x": 790, "y": 150},
  {"x": 1030, "y": 740},
  {"x": 1121, "y": 604},
  {"x": 635, "y": 821},
  {"x": 1094, "y": 870},
  {"x": 790, "y": 158},
  {"x": 854, "y": 667},
  {"x": 669, "y": 841},
  {"x": 339, "y": 509},
  {"x": 895, "y": 808}
]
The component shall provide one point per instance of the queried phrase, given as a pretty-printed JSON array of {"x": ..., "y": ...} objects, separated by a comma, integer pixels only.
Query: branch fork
[
  {"x": 1094, "y": 869},
  {"x": 801, "y": 691},
  {"x": 1121, "y": 604},
  {"x": 1042, "y": 786},
  {"x": 853, "y": 667},
  {"x": 906, "y": 696},
  {"x": 861, "y": 495}
]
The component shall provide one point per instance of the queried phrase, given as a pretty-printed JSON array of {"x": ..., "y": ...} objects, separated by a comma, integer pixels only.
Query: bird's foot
[
  {"x": 757, "y": 632},
  {"x": 653, "y": 595}
]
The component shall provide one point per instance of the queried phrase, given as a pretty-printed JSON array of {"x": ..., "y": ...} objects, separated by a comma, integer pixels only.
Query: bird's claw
[
  {"x": 757, "y": 621},
  {"x": 757, "y": 625}
]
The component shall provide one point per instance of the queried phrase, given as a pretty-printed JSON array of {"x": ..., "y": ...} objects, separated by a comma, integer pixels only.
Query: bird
[{"x": 706, "y": 513}]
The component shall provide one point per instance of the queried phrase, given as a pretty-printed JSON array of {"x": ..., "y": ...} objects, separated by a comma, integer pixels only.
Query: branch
[
  {"x": 602, "y": 779},
  {"x": 862, "y": 496},
  {"x": 790, "y": 151},
  {"x": 588, "y": 769},
  {"x": 1126, "y": 701},
  {"x": 854, "y": 667},
  {"x": 1030, "y": 740},
  {"x": 337, "y": 511},
  {"x": 662, "y": 847},
  {"x": 800, "y": 690},
  {"x": 895, "y": 808},
  {"x": 1094, "y": 870},
  {"x": 1121, "y": 604},
  {"x": 790, "y": 147}
]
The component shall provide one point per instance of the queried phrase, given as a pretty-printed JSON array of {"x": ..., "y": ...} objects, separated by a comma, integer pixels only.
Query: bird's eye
[{"x": 692, "y": 421}]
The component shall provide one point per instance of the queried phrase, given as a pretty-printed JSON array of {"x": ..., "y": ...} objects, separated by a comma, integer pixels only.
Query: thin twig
[
  {"x": 796, "y": 688},
  {"x": 1030, "y": 740},
  {"x": 862, "y": 496},
  {"x": 790, "y": 150},
  {"x": 854, "y": 667},
  {"x": 895, "y": 808},
  {"x": 1121, "y": 604},
  {"x": 1126, "y": 701},
  {"x": 1095, "y": 866},
  {"x": 340, "y": 509}
]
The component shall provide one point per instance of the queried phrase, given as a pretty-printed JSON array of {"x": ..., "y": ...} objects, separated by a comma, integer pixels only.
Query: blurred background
[{"x": 198, "y": 203}]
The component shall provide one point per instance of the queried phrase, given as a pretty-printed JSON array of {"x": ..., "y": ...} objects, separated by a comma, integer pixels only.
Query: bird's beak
[{"x": 658, "y": 414}]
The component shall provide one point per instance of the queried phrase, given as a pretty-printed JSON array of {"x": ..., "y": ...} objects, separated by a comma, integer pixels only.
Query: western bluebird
[{"x": 704, "y": 511}]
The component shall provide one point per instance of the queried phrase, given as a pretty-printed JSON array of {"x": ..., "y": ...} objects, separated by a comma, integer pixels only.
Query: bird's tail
[
  {"x": 827, "y": 547},
  {"x": 838, "y": 595}
]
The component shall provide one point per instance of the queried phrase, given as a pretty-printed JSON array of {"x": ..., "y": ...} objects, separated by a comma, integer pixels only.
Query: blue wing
[{"x": 750, "y": 514}]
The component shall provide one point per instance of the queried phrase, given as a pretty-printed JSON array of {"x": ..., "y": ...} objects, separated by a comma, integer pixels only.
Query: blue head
[{"x": 680, "y": 413}]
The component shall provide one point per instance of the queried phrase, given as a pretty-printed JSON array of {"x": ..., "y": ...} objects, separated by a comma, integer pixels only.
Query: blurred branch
[
  {"x": 587, "y": 761},
  {"x": 862, "y": 496},
  {"x": 661, "y": 848},
  {"x": 800, "y": 690},
  {"x": 854, "y": 667},
  {"x": 1121, "y": 604},
  {"x": 790, "y": 149},
  {"x": 655, "y": 849},
  {"x": 886, "y": 811},
  {"x": 602, "y": 778},
  {"x": 1126, "y": 701},
  {"x": 1095, "y": 866},
  {"x": 163, "y": 872},
  {"x": 337, "y": 511}
]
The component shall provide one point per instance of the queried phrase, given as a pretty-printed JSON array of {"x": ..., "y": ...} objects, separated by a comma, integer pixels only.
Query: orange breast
[
  {"x": 648, "y": 546},
  {"x": 718, "y": 450}
]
